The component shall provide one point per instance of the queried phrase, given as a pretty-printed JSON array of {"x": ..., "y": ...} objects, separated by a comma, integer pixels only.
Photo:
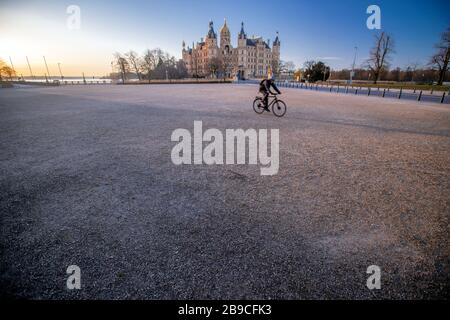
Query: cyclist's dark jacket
[{"x": 266, "y": 84}]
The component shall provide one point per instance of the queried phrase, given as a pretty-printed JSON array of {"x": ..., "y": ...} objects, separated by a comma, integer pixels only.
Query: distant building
[{"x": 251, "y": 58}]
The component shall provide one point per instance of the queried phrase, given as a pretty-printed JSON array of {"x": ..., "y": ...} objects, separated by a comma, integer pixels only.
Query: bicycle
[{"x": 278, "y": 106}]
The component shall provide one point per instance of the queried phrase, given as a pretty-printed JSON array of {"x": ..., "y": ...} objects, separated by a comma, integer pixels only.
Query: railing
[
  {"x": 69, "y": 82},
  {"x": 409, "y": 94}
]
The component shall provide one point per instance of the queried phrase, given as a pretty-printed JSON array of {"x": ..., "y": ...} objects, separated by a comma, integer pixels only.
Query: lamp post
[
  {"x": 112, "y": 71},
  {"x": 352, "y": 74}
]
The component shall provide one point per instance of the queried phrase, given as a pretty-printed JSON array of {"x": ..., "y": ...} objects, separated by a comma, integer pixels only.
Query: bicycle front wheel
[
  {"x": 279, "y": 108},
  {"x": 258, "y": 106}
]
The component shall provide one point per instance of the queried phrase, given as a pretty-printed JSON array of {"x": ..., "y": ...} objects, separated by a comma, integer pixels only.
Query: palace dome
[{"x": 224, "y": 30}]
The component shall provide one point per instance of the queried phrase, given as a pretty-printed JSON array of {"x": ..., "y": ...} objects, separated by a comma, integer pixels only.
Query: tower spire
[
  {"x": 225, "y": 35},
  {"x": 211, "y": 33},
  {"x": 277, "y": 40},
  {"x": 242, "y": 34}
]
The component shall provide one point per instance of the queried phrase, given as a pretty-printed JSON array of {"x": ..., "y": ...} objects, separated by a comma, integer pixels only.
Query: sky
[{"x": 325, "y": 30}]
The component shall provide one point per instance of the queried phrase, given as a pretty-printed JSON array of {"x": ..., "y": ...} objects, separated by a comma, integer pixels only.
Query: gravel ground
[{"x": 86, "y": 178}]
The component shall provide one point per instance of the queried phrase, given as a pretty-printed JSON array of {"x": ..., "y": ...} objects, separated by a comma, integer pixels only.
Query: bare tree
[
  {"x": 308, "y": 66},
  {"x": 122, "y": 64},
  {"x": 380, "y": 55},
  {"x": 181, "y": 69},
  {"x": 410, "y": 71},
  {"x": 289, "y": 66},
  {"x": 159, "y": 54},
  {"x": 154, "y": 64},
  {"x": 226, "y": 63},
  {"x": 276, "y": 67},
  {"x": 215, "y": 64},
  {"x": 134, "y": 62},
  {"x": 442, "y": 56},
  {"x": 148, "y": 63}
]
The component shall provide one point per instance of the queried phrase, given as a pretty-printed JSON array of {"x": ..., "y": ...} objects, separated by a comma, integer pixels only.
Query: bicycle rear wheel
[
  {"x": 257, "y": 106},
  {"x": 279, "y": 108}
]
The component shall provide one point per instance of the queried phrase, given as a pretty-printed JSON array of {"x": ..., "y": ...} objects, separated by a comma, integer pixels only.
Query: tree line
[
  {"x": 378, "y": 66},
  {"x": 153, "y": 64},
  {"x": 410, "y": 73}
]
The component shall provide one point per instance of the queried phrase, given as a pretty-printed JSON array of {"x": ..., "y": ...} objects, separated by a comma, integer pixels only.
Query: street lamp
[
  {"x": 352, "y": 73},
  {"x": 112, "y": 71}
]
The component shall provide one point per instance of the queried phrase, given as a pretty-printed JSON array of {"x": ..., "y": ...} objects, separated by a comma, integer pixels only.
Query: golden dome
[{"x": 224, "y": 29}]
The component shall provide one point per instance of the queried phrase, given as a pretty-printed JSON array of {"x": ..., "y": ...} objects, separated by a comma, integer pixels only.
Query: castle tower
[
  {"x": 211, "y": 49},
  {"x": 276, "y": 51},
  {"x": 242, "y": 37},
  {"x": 225, "y": 36},
  {"x": 276, "y": 47},
  {"x": 211, "y": 37}
]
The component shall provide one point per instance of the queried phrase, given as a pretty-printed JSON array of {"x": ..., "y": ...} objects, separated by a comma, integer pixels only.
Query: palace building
[{"x": 252, "y": 58}]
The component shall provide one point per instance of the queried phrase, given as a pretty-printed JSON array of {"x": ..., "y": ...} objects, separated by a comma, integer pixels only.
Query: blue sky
[{"x": 327, "y": 30}]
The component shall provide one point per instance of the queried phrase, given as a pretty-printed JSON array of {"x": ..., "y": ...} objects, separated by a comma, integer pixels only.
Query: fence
[{"x": 409, "y": 94}]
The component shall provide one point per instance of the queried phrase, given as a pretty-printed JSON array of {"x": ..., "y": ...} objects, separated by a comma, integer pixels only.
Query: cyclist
[{"x": 264, "y": 88}]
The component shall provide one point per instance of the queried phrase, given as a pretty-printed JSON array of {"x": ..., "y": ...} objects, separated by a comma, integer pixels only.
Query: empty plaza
[{"x": 86, "y": 179}]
